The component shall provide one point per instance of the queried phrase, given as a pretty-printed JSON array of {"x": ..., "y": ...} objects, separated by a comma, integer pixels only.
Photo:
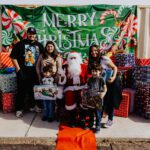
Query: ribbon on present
[{"x": 5, "y": 60}]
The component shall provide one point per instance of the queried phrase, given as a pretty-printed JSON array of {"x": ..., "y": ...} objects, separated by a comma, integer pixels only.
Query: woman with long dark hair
[
  {"x": 49, "y": 56},
  {"x": 113, "y": 96}
]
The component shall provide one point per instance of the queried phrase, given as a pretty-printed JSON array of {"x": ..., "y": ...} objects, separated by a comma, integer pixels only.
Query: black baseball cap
[{"x": 31, "y": 30}]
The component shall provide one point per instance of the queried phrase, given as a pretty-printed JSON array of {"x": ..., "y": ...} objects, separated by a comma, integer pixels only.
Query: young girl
[
  {"x": 113, "y": 96},
  {"x": 49, "y": 105},
  {"x": 95, "y": 94}
]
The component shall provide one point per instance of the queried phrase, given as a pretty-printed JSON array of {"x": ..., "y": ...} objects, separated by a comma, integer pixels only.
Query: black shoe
[
  {"x": 44, "y": 118},
  {"x": 50, "y": 119},
  {"x": 97, "y": 129}
]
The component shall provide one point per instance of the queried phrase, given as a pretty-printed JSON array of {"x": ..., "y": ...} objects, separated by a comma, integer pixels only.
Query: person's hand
[
  {"x": 101, "y": 94},
  {"x": 21, "y": 75},
  {"x": 111, "y": 79}
]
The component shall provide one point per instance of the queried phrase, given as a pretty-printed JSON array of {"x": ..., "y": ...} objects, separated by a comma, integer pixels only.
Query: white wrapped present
[{"x": 45, "y": 92}]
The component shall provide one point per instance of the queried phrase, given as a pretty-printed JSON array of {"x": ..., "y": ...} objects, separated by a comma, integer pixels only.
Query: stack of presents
[
  {"x": 134, "y": 75},
  {"x": 134, "y": 78},
  {"x": 8, "y": 83}
]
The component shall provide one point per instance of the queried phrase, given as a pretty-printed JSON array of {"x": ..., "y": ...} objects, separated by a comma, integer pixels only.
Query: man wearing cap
[{"x": 24, "y": 56}]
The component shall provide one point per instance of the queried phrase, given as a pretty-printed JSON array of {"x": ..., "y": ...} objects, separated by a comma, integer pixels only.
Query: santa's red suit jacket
[{"x": 83, "y": 79}]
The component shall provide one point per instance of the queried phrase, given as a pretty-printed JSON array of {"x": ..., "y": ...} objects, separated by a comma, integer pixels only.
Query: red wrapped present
[
  {"x": 123, "y": 110},
  {"x": 5, "y": 60},
  {"x": 7, "y": 100},
  {"x": 132, "y": 95},
  {"x": 142, "y": 62}
]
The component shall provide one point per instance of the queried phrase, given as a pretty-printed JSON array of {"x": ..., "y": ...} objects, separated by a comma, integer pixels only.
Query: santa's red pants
[{"x": 72, "y": 99}]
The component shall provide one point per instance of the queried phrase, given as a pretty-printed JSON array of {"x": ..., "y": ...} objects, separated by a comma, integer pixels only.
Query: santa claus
[{"x": 77, "y": 74}]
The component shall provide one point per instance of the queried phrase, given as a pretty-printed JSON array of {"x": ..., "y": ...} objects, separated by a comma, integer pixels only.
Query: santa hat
[{"x": 75, "y": 54}]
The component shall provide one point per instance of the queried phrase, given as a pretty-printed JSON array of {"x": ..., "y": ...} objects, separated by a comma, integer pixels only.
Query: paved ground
[
  {"x": 32, "y": 126},
  {"x": 30, "y": 133}
]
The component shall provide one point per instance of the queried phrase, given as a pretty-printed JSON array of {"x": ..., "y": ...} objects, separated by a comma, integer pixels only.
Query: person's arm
[
  {"x": 102, "y": 94},
  {"x": 15, "y": 62},
  {"x": 59, "y": 61},
  {"x": 38, "y": 68},
  {"x": 114, "y": 68},
  {"x": 15, "y": 54}
]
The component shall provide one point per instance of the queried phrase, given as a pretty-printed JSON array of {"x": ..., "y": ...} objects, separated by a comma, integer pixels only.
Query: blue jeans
[
  {"x": 97, "y": 114},
  {"x": 98, "y": 117},
  {"x": 49, "y": 108}
]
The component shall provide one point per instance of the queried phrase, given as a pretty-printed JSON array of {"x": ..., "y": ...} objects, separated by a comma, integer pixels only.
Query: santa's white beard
[{"x": 74, "y": 70}]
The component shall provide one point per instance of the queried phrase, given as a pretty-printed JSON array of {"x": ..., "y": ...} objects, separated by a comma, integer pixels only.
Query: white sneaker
[
  {"x": 19, "y": 113},
  {"x": 108, "y": 124},
  {"x": 36, "y": 109}
]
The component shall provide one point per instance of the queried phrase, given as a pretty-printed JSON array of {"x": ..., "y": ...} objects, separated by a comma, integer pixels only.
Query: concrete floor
[{"x": 32, "y": 126}]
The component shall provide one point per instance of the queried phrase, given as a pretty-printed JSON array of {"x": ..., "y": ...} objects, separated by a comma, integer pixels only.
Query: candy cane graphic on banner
[
  {"x": 130, "y": 25},
  {"x": 128, "y": 30},
  {"x": 13, "y": 22},
  {"x": 106, "y": 13}
]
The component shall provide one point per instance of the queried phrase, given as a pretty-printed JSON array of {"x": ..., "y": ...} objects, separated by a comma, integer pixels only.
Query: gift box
[
  {"x": 142, "y": 99},
  {"x": 123, "y": 110},
  {"x": 7, "y": 102},
  {"x": 142, "y": 62},
  {"x": 5, "y": 60},
  {"x": 45, "y": 92},
  {"x": 124, "y": 60},
  {"x": 8, "y": 82},
  {"x": 132, "y": 96},
  {"x": 91, "y": 99},
  {"x": 141, "y": 73}
]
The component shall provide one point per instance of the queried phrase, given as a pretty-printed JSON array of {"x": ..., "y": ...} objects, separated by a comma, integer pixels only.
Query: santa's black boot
[{"x": 72, "y": 118}]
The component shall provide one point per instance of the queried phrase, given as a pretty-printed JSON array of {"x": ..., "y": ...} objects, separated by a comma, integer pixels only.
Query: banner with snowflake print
[{"x": 112, "y": 27}]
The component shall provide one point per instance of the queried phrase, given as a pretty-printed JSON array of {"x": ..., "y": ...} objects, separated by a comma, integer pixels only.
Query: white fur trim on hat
[
  {"x": 76, "y": 55},
  {"x": 71, "y": 107}
]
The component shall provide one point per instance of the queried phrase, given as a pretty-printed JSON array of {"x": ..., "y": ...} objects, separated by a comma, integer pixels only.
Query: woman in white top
[{"x": 113, "y": 96}]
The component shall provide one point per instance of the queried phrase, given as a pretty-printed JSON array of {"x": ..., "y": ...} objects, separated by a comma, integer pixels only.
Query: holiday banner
[{"x": 112, "y": 27}]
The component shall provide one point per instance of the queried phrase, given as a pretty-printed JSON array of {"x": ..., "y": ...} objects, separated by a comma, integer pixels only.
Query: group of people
[{"x": 85, "y": 91}]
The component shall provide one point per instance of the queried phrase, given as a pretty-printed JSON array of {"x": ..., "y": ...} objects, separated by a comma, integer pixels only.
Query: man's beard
[{"x": 74, "y": 70}]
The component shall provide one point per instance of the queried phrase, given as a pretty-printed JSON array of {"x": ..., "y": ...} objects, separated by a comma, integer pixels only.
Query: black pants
[{"x": 25, "y": 85}]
